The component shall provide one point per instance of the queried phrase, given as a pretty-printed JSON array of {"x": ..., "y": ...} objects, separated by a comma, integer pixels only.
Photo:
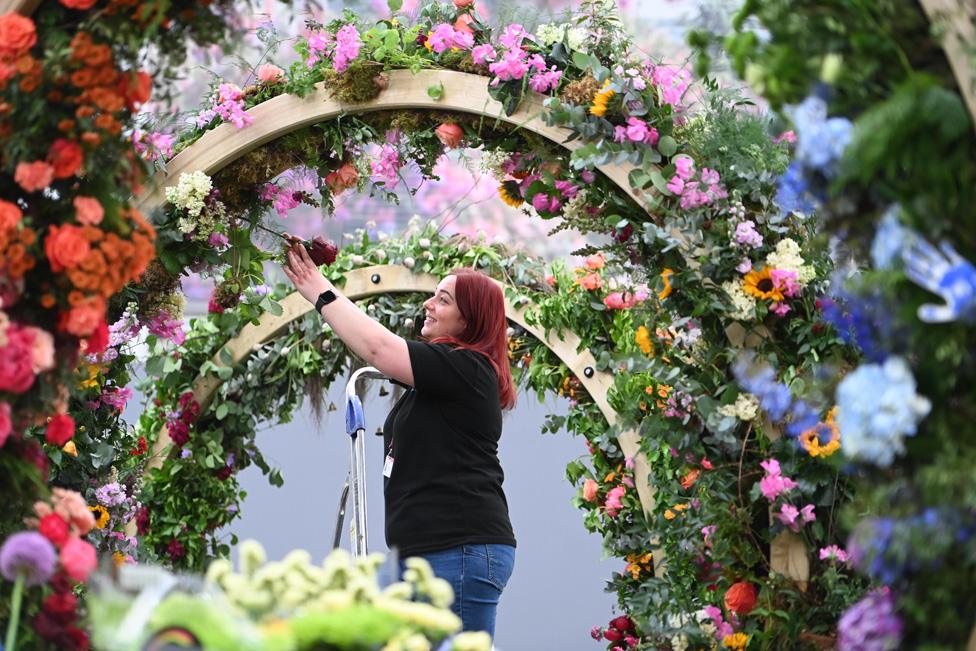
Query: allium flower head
[{"x": 28, "y": 553}]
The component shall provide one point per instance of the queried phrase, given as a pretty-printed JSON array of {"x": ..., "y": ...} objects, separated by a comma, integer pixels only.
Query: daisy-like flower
[
  {"x": 101, "y": 515},
  {"x": 760, "y": 284}
]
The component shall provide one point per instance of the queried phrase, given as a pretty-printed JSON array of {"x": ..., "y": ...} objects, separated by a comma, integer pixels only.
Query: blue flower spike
[{"x": 943, "y": 272}]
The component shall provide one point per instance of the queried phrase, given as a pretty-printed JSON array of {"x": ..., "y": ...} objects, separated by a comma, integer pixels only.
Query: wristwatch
[{"x": 324, "y": 299}]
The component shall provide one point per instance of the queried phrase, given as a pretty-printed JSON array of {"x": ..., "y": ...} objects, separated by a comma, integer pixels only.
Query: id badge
[{"x": 388, "y": 466}]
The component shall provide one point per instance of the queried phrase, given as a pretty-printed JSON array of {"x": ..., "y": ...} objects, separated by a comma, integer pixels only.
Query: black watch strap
[{"x": 324, "y": 299}]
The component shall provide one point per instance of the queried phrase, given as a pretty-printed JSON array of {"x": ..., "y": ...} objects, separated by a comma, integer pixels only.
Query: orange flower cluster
[
  {"x": 15, "y": 242},
  {"x": 17, "y": 36},
  {"x": 638, "y": 564},
  {"x": 108, "y": 262}
]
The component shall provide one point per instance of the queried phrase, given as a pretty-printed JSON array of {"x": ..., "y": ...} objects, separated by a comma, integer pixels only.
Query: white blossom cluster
[
  {"x": 744, "y": 305},
  {"x": 745, "y": 407},
  {"x": 551, "y": 33},
  {"x": 190, "y": 192},
  {"x": 492, "y": 162},
  {"x": 787, "y": 257}
]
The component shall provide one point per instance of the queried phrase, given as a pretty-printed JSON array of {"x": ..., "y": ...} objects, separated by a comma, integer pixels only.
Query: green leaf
[
  {"x": 660, "y": 184},
  {"x": 581, "y": 60},
  {"x": 103, "y": 455},
  {"x": 668, "y": 146},
  {"x": 436, "y": 93},
  {"x": 221, "y": 411},
  {"x": 394, "y": 5}
]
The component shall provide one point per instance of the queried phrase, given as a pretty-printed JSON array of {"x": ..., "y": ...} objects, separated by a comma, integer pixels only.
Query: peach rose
[
  {"x": 17, "y": 35},
  {"x": 463, "y": 23},
  {"x": 591, "y": 281},
  {"x": 343, "y": 178},
  {"x": 42, "y": 351},
  {"x": 78, "y": 557},
  {"x": 590, "y": 488},
  {"x": 66, "y": 246},
  {"x": 88, "y": 210},
  {"x": 461, "y": 4},
  {"x": 66, "y": 157},
  {"x": 34, "y": 176},
  {"x": 82, "y": 320},
  {"x": 79, "y": 4},
  {"x": 449, "y": 134},
  {"x": 10, "y": 215},
  {"x": 269, "y": 73},
  {"x": 596, "y": 261}
]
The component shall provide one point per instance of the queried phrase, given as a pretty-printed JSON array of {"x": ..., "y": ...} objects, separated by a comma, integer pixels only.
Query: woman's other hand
[{"x": 304, "y": 273}]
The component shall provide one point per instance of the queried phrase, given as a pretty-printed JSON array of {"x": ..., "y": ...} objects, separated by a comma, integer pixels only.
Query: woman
[{"x": 443, "y": 488}]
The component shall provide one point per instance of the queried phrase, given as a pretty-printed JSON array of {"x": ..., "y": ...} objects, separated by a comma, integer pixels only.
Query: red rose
[
  {"x": 97, "y": 342},
  {"x": 613, "y": 635},
  {"x": 66, "y": 157},
  {"x": 66, "y": 246},
  {"x": 62, "y": 605},
  {"x": 449, "y": 134},
  {"x": 79, "y": 4},
  {"x": 60, "y": 430},
  {"x": 622, "y": 623},
  {"x": 79, "y": 638},
  {"x": 136, "y": 89},
  {"x": 54, "y": 528},
  {"x": 179, "y": 433},
  {"x": 17, "y": 35},
  {"x": 322, "y": 251},
  {"x": 740, "y": 598}
]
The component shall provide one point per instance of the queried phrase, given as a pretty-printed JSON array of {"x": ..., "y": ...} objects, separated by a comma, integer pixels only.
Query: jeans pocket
[{"x": 501, "y": 563}]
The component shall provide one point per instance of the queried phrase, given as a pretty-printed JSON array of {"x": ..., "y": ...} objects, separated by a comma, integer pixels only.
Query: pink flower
[
  {"x": 461, "y": 4},
  {"x": 218, "y": 240},
  {"x": 672, "y": 83},
  {"x": 78, "y": 559},
  {"x": 387, "y": 168},
  {"x": 450, "y": 135},
  {"x": 807, "y": 514},
  {"x": 723, "y": 627},
  {"x": 590, "y": 489},
  {"x": 347, "y": 47},
  {"x": 786, "y": 136},
  {"x": 6, "y": 425},
  {"x": 511, "y": 66},
  {"x": 779, "y": 309},
  {"x": 117, "y": 397},
  {"x": 772, "y": 486},
  {"x": 567, "y": 189},
  {"x": 16, "y": 360},
  {"x": 614, "y": 500},
  {"x": 269, "y": 73},
  {"x": 709, "y": 176},
  {"x": 482, "y": 54},
  {"x": 745, "y": 266},
  {"x": 785, "y": 281},
  {"x": 629, "y": 463},
  {"x": 513, "y": 36},
  {"x": 286, "y": 201},
  {"x": 787, "y": 515},
  {"x": 154, "y": 146},
  {"x": 834, "y": 553},
  {"x": 34, "y": 176},
  {"x": 42, "y": 350},
  {"x": 619, "y": 301},
  {"x": 771, "y": 466},
  {"x": 684, "y": 167},
  {"x": 318, "y": 44},
  {"x": 637, "y": 130},
  {"x": 463, "y": 24},
  {"x": 676, "y": 185},
  {"x": 229, "y": 93},
  {"x": 545, "y": 81},
  {"x": 463, "y": 38},
  {"x": 88, "y": 210},
  {"x": 441, "y": 38}
]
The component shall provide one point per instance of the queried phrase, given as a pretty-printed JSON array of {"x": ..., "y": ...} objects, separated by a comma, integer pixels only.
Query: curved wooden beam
[
  {"x": 22, "y": 7},
  {"x": 397, "y": 279},
  {"x": 463, "y": 92},
  {"x": 958, "y": 18}
]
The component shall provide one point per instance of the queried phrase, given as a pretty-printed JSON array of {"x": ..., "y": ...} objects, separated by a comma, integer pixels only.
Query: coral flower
[{"x": 760, "y": 284}]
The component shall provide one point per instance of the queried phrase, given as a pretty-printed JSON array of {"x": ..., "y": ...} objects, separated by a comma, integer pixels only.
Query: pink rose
[
  {"x": 78, "y": 559},
  {"x": 590, "y": 489},
  {"x": 596, "y": 261},
  {"x": 269, "y": 73},
  {"x": 42, "y": 350},
  {"x": 615, "y": 500},
  {"x": 88, "y": 211},
  {"x": 34, "y": 176},
  {"x": 461, "y": 4},
  {"x": 6, "y": 426},
  {"x": 449, "y": 134},
  {"x": 16, "y": 360}
]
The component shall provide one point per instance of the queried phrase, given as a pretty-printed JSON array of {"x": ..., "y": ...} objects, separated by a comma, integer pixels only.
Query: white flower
[
  {"x": 380, "y": 254},
  {"x": 492, "y": 162},
  {"x": 252, "y": 556},
  {"x": 744, "y": 306},
  {"x": 423, "y": 243},
  {"x": 428, "y": 255},
  {"x": 409, "y": 262},
  {"x": 575, "y": 208},
  {"x": 472, "y": 641},
  {"x": 382, "y": 236},
  {"x": 787, "y": 257},
  {"x": 190, "y": 191},
  {"x": 357, "y": 259},
  {"x": 745, "y": 407},
  {"x": 408, "y": 324}
]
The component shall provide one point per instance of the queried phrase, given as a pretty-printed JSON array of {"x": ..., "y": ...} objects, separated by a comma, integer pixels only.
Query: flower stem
[
  {"x": 268, "y": 230},
  {"x": 10, "y": 644}
]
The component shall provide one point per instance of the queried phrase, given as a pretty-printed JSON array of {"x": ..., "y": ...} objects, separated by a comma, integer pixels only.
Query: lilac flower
[
  {"x": 745, "y": 266},
  {"x": 27, "y": 554},
  {"x": 871, "y": 624},
  {"x": 747, "y": 235},
  {"x": 111, "y": 494}
]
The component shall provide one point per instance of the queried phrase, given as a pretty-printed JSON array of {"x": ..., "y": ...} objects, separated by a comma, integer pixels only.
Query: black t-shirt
[{"x": 445, "y": 489}]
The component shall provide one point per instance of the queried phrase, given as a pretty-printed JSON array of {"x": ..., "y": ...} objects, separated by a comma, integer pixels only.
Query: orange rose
[
  {"x": 66, "y": 246},
  {"x": 107, "y": 100},
  {"x": 34, "y": 176},
  {"x": 17, "y": 35},
  {"x": 10, "y": 215},
  {"x": 79, "y": 4},
  {"x": 463, "y": 23},
  {"x": 342, "y": 179},
  {"x": 82, "y": 319},
  {"x": 449, "y": 134},
  {"x": 740, "y": 598},
  {"x": 136, "y": 89},
  {"x": 66, "y": 157}
]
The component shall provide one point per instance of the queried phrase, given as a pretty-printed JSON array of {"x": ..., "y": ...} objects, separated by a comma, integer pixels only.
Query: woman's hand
[{"x": 303, "y": 273}]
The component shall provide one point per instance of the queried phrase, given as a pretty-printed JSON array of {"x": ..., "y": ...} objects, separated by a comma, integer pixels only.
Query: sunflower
[
  {"x": 508, "y": 191},
  {"x": 666, "y": 282},
  {"x": 600, "y": 101},
  {"x": 643, "y": 339},
  {"x": 810, "y": 439},
  {"x": 760, "y": 284},
  {"x": 101, "y": 515}
]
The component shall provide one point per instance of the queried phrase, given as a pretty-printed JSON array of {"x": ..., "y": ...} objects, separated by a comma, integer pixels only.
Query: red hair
[{"x": 482, "y": 306}]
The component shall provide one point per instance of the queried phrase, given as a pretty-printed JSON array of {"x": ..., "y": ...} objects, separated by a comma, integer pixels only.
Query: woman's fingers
[{"x": 305, "y": 257}]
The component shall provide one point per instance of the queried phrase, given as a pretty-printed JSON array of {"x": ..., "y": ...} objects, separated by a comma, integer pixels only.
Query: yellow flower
[
  {"x": 92, "y": 380},
  {"x": 666, "y": 281},
  {"x": 602, "y": 98},
  {"x": 760, "y": 284},
  {"x": 738, "y": 641},
  {"x": 427, "y": 44},
  {"x": 643, "y": 339},
  {"x": 810, "y": 439},
  {"x": 70, "y": 448},
  {"x": 118, "y": 558},
  {"x": 101, "y": 515},
  {"x": 512, "y": 200}
]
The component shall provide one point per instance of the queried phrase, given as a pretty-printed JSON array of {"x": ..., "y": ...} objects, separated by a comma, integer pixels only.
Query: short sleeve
[{"x": 446, "y": 371}]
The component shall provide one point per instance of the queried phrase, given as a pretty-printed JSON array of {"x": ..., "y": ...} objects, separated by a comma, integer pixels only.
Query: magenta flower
[
  {"x": 676, "y": 184},
  {"x": 723, "y": 628},
  {"x": 387, "y": 168},
  {"x": 512, "y": 65},
  {"x": 638, "y": 131},
  {"x": 346, "y": 48},
  {"x": 483, "y": 54},
  {"x": 807, "y": 515},
  {"x": 27, "y": 554},
  {"x": 218, "y": 240},
  {"x": 441, "y": 38},
  {"x": 463, "y": 40},
  {"x": 684, "y": 167},
  {"x": 671, "y": 83},
  {"x": 833, "y": 553},
  {"x": 286, "y": 201},
  {"x": 513, "y": 36},
  {"x": 567, "y": 188},
  {"x": 318, "y": 44},
  {"x": 786, "y": 136},
  {"x": 785, "y": 281},
  {"x": 787, "y": 515},
  {"x": 779, "y": 309}
]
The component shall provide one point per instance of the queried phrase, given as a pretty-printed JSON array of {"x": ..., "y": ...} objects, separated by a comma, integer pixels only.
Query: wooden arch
[{"x": 393, "y": 279}]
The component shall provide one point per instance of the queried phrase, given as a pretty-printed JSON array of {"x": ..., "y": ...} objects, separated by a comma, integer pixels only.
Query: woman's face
[{"x": 443, "y": 319}]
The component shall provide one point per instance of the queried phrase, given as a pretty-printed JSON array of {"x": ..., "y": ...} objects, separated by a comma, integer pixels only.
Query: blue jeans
[{"x": 477, "y": 574}]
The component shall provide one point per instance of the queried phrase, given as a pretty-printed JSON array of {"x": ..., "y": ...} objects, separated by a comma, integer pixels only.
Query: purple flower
[
  {"x": 871, "y": 624},
  {"x": 27, "y": 553},
  {"x": 747, "y": 235},
  {"x": 218, "y": 240},
  {"x": 110, "y": 494}
]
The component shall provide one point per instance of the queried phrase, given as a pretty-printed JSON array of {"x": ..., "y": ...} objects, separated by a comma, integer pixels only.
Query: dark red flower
[
  {"x": 224, "y": 473},
  {"x": 79, "y": 639},
  {"x": 613, "y": 635},
  {"x": 142, "y": 521},
  {"x": 54, "y": 528},
  {"x": 63, "y": 605},
  {"x": 141, "y": 447},
  {"x": 179, "y": 432},
  {"x": 175, "y": 550},
  {"x": 623, "y": 234},
  {"x": 32, "y": 452},
  {"x": 322, "y": 251},
  {"x": 622, "y": 623},
  {"x": 740, "y": 598}
]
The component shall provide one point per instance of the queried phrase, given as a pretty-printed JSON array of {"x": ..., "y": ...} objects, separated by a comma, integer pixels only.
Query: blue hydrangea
[
  {"x": 877, "y": 407},
  {"x": 872, "y": 624},
  {"x": 890, "y": 240},
  {"x": 821, "y": 141},
  {"x": 793, "y": 193}
]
